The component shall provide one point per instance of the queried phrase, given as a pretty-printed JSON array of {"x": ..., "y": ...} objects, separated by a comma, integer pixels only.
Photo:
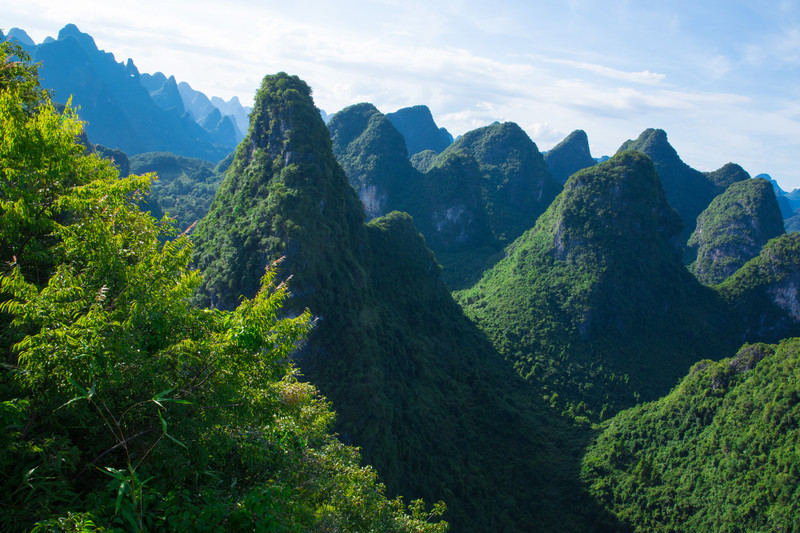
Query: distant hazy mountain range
[{"x": 131, "y": 111}]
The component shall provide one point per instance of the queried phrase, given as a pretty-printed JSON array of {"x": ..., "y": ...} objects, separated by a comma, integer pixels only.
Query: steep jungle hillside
[
  {"x": 569, "y": 156},
  {"x": 125, "y": 408},
  {"x": 419, "y": 130},
  {"x": 719, "y": 453},
  {"x": 517, "y": 186},
  {"x": 733, "y": 229},
  {"x": 373, "y": 154},
  {"x": 765, "y": 292},
  {"x": 688, "y": 191},
  {"x": 593, "y": 306},
  {"x": 727, "y": 175},
  {"x": 435, "y": 409},
  {"x": 447, "y": 202}
]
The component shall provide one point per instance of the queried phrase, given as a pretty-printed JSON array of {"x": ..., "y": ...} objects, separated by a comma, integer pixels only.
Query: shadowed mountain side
[
  {"x": 516, "y": 184},
  {"x": 373, "y": 155},
  {"x": 569, "y": 156},
  {"x": 419, "y": 130},
  {"x": 765, "y": 292},
  {"x": 447, "y": 203},
  {"x": 436, "y": 410},
  {"x": 689, "y": 191},
  {"x": 727, "y": 175}
]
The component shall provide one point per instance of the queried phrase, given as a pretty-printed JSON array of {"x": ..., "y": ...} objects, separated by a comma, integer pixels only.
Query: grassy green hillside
[{"x": 733, "y": 229}]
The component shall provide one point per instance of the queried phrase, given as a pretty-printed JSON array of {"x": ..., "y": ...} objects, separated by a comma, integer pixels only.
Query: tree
[{"x": 125, "y": 407}]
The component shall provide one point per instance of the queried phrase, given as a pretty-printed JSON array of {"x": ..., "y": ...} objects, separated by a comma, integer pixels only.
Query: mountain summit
[
  {"x": 569, "y": 156},
  {"x": 689, "y": 191},
  {"x": 413, "y": 382},
  {"x": 593, "y": 305}
]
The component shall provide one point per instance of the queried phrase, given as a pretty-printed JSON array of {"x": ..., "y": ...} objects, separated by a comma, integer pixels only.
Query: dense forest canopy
[
  {"x": 193, "y": 346},
  {"x": 124, "y": 407}
]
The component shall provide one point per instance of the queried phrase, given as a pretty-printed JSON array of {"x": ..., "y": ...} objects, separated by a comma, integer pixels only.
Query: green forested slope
[
  {"x": 185, "y": 186},
  {"x": 689, "y": 191},
  {"x": 764, "y": 293},
  {"x": 569, "y": 156},
  {"x": 719, "y": 453},
  {"x": 436, "y": 410},
  {"x": 123, "y": 407},
  {"x": 593, "y": 305},
  {"x": 517, "y": 186},
  {"x": 733, "y": 229}
]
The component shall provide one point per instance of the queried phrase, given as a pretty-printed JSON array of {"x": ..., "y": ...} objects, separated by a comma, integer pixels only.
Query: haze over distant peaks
[
  {"x": 123, "y": 108},
  {"x": 417, "y": 126}
]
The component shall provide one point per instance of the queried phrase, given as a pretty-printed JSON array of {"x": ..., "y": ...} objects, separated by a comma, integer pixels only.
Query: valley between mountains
[{"x": 356, "y": 322}]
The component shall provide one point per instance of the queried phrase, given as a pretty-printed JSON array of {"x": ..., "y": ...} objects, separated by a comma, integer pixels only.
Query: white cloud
[{"x": 644, "y": 77}]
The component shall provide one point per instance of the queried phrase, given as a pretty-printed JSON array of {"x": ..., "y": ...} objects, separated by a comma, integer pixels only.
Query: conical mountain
[
  {"x": 516, "y": 183},
  {"x": 167, "y": 96},
  {"x": 419, "y": 130},
  {"x": 689, "y": 191},
  {"x": 569, "y": 156},
  {"x": 434, "y": 407},
  {"x": 734, "y": 228},
  {"x": 593, "y": 305},
  {"x": 284, "y": 196}
]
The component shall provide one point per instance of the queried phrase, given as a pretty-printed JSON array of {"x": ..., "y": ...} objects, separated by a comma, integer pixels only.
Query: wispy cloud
[{"x": 643, "y": 77}]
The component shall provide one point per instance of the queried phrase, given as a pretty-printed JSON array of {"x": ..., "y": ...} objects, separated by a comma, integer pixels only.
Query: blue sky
[{"x": 722, "y": 78}]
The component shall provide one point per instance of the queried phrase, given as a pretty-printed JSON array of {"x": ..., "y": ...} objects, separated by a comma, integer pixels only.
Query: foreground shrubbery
[{"x": 123, "y": 406}]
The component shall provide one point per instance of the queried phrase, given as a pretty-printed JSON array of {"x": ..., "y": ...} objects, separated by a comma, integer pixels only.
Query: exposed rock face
[
  {"x": 373, "y": 155},
  {"x": 734, "y": 228},
  {"x": 516, "y": 183},
  {"x": 764, "y": 292},
  {"x": 569, "y": 156},
  {"x": 373, "y": 199},
  {"x": 419, "y": 130},
  {"x": 454, "y": 218},
  {"x": 447, "y": 202}
]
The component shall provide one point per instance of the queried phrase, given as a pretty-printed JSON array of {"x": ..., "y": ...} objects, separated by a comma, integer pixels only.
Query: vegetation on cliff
[
  {"x": 733, "y": 229},
  {"x": 434, "y": 407},
  {"x": 123, "y": 406},
  {"x": 593, "y": 305}
]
